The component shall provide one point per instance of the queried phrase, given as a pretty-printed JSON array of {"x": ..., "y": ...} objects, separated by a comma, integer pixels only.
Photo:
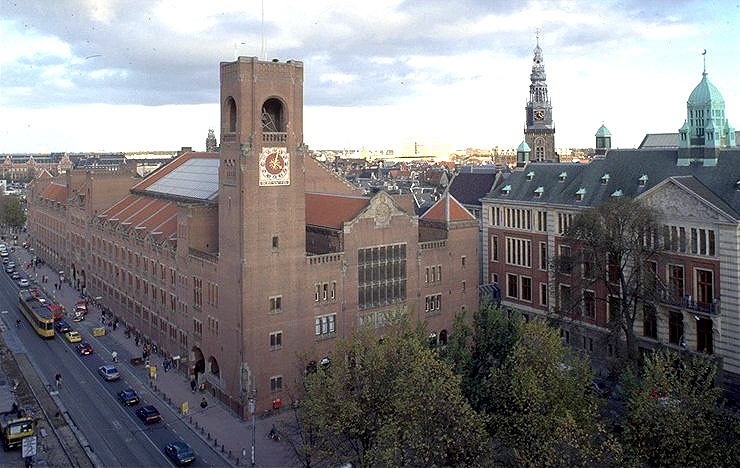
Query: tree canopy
[
  {"x": 11, "y": 211},
  {"x": 391, "y": 402}
]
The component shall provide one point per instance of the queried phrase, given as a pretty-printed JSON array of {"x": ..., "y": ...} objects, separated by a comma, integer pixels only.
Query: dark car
[
  {"x": 180, "y": 453},
  {"x": 128, "y": 397},
  {"x": 62, "y": 326},
  {"x": 84, "y": 349},
  {"x": 148, "y": 414},
  {"x": 15, "y": 275}
]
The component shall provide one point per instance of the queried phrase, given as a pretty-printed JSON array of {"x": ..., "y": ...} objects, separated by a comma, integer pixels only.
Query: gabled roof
[
  {"x": 144, "y": 214},
  {"x": 331, "y": 211},
  {"x": 666, "y": 140},
  {"x": 55, "y": 192},
  {"x": 469, "y": 188},
  {"x": 447, "y": 210}
]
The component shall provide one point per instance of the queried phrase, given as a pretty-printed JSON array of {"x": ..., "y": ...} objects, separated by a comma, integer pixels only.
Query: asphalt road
[{"x": 114, "y": 432}]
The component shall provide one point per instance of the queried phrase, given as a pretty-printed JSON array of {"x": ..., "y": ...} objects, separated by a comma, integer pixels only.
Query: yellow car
[{"x": 73, "y": 336}]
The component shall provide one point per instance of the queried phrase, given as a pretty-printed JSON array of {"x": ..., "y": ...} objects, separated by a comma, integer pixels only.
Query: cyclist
[{"x": 58, "y": 379}]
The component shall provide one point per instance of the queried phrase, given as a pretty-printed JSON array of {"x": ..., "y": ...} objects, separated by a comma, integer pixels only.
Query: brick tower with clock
[
  {"x": 262, "y": 215},
  {"x": 539, "y": 131}
]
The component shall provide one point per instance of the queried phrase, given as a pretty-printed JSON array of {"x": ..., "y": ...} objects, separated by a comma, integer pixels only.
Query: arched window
[
  {"x": 231, "y": 114},
  {"x": 215, "y": 371},
  {"x": 539, "y": 149},
  {"x": 272, "y": 116}
]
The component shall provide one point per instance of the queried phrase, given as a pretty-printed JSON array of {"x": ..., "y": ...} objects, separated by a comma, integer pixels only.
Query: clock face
[
  {"x": 274, "y": 167},
  {"x": 539, "y": 114}
]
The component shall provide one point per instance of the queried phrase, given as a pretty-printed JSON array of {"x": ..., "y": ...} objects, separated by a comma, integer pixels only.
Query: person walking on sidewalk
[
  {"x": 192, "y": 385},
  {"x": 204, "y": 404}
]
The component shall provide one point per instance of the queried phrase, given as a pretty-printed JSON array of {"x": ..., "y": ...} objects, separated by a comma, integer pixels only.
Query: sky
[{"x": 137, "y": 75}]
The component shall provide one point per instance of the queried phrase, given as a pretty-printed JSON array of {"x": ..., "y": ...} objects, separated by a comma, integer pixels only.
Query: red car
[{"x": 84, "y": 349}]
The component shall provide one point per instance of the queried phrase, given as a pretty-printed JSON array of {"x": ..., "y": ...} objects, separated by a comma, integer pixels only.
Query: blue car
[
  {"x": 128, "y": 397},
  {"x": 180, "y": 453}
]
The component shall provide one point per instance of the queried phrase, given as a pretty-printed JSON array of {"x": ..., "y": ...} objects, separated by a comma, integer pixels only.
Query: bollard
[
  {"x": 196, "y": 422},
  {"x": 191, "y": 420},
  {"x": 237, "y": 461},
  {"x": 209, "y": 436},
  {"x": 223, "y": 449},
  {"x": 230, "y": 456},
  {"x": 202, "y": 431},
  {"x": 215, "y": 443}
]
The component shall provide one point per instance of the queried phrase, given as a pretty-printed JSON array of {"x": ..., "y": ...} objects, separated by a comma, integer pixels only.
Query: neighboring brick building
[
  {"x": 242, "y": 260},
  {"x": 696, "y": 187}
]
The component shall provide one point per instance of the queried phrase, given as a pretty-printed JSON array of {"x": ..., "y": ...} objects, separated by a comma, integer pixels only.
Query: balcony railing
[
  {"x": 687, "y": 302},
  {"x": 274, "y": 137}
]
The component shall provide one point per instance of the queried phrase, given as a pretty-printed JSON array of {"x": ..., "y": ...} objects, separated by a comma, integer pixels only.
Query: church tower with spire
[{"x": 539, "y": 130}]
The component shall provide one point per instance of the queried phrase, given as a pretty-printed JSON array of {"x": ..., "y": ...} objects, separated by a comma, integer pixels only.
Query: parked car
[
  {"x": 180, "y": 453},
  {"x": 109, "y": 372},
  {"x": 23, "y": 283},
  {"x": 15, "y": 275},
  {"x": 148, "y": 414},
  {"x": 128, "y": 397}
]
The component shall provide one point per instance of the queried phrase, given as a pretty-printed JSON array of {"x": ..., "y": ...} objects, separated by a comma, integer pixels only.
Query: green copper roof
[
  {"x": 603, "y": 132},
  {"x": 705, "y": 94},
  {"x": 523, "y": 148}
]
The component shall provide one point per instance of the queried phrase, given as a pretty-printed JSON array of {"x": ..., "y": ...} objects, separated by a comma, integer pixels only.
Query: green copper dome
[
  {"x": 523, "y": 148},
  {"x": 603, "y": 132},
  {"x": 705, "y": 94}
]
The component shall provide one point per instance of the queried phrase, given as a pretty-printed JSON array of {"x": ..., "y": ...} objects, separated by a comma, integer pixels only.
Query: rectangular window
[
  {"x": 519, "y": 252},
  {"x": 704, "y": 336},
  {"x": 613, "y": 308},
  {"x": 276, "y": 304},
  {"x": 711, "y": 242},
  {"x": 682, "y": 239},
  {"x": 439, "y": 272},
  {"x": 589, "y": 304},
  {"x": 543, "y": 256},
  {"x": 276, "y": 384},
  {"x": 566, "y": 262},
  {"x": 512, "y": 288},
  {"x": 333, "y": 293},
  {"x": 565, "y": 299},
  {"x": 675, "y": 327},
  {"x": 675, "y": 281},
  {"x": 649, "y": 321},
  {"x": 704, "y": 288},
  {"x": 494, "y": 248},
  {"x": 694, "y": 241},
  {"x": 526, "y": 288},
  {"x": 462, "y": 265},
  {"x": 317, "y": 292},
  {"x": 324, "y": 291},
  {"x": 276, "y": 340},
  {"x": 612, "y": 268},
  {"x": 463, "y": 286},
  {"x": 325, "y": 325},
  {"x": 426, "y": 275},
  {"x": 543, "y": 294},
  {"x": 275, "y": 242},
  {"x": 702, "y": 241}
]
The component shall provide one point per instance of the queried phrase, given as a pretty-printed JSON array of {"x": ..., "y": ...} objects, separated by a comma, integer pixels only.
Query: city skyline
[{"x": 127, "y": 76}]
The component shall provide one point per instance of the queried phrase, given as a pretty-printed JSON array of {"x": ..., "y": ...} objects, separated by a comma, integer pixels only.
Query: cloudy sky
[{"x": 128, "y": 75}]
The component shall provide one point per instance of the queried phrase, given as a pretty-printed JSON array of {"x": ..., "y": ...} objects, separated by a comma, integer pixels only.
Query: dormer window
[
  {"x": 617, "y": 193},
  {"x": 530, "y": 175},
  {"x": 580, "y": 193},
  {"x": 605, "y": 179},
  {"x": 506, "y": 189},
  {"x": 562, "y": 176},
  {"x": 737, "y": 184},
  {"x": 643, "y": 180},
  {"x": 539, "y": 191}
]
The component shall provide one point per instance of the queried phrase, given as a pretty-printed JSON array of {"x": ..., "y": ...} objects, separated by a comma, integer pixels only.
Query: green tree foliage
[
  {"x": 390, "y": 403},
  {"x": 611, "y": 250},
  {"x": 542, "y": 405},
  {"x": 11, "y": 211},
  {"x": 674, "y": 415}
]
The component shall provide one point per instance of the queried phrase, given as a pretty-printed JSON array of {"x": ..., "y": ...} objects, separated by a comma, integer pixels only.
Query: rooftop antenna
[
  {"x": 264, "y": 54},
  {"x": 704, "y": 57}
]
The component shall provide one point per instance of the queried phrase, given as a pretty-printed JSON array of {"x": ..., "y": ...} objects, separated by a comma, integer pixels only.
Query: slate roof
[
  {"x": 666, "y": 140},
  {"x": 468, "y": 188},
  {"x": 716, "y": 184},
  {"x": 331, "y": 211}
]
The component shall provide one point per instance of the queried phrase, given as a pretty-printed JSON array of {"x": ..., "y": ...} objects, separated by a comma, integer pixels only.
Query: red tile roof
[
  {"x": 331, "y": 211},
  {"x": 446, "y": 210},
  {"x": 55, "y": 192},
  {"x": 171, "y": 166},
  {"x": 143, "y": 213}
]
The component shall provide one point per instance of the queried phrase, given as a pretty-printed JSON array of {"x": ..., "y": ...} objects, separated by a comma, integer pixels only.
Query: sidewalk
[{"x": 217, "y": 424}]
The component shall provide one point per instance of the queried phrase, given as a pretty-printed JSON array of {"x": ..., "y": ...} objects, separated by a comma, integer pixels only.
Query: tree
[
  {"x": 674, "y": 416},
  {"x": 391, "y": 403},
  {"x": 543, "y": 406},
  {"x": 11, "y": 211},
  {"x": 611, "y": 250}
]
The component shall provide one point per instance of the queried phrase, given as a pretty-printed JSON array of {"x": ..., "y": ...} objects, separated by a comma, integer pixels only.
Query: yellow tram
[{"x": 37, "y": 312}]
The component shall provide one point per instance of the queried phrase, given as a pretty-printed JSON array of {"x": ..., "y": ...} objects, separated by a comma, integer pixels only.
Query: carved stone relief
[{"x": 674, "y": 202}]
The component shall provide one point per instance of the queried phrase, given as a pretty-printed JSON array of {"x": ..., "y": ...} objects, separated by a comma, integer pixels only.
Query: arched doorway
[
  {"x": 199, "y": 362},
  {"x": 213, "y": 367}
]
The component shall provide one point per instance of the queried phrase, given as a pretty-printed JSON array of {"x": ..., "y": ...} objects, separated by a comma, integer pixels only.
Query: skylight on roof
[
  {"x": 530, "y": 175},
  {"x": 563, "y": 175},
  {"x": 580, "y": 193},
  {"x": 506, "y": 189},
  {"x": 539, "y": 191},
  {"x": 643, "y": 180},
  {"x": 605, "y": 179},
  {"x": 617, "y": 193},
  {"x": 196, "y": 178}
]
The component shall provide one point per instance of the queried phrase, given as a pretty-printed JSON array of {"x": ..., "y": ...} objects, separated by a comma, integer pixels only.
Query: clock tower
[
  {"x": 262, "y": 213},
  {"x": 539, "y": 130}
]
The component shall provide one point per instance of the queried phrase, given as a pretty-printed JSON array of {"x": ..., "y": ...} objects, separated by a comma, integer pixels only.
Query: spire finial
[
  {"x": 537, "y": 35},
  {"x": 704, "y": 57}
]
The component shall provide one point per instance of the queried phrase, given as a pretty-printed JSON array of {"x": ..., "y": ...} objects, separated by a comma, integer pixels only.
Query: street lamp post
[{"x": 252, "y": 410}]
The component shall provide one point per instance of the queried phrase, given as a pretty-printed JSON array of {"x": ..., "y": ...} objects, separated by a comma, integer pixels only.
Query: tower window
[
  {"x": 231, "y": 113},
  {"x": 272, "y": 116},
  {"x": 275, "y": 242}
]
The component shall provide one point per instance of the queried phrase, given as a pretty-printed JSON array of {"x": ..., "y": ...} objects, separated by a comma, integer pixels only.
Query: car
[
  {"x": 15, "y": 275},
  {"x": 180, "y": 453},
  {"x": 11, "y": 264},
  {"x": 84, "y": 349},
  {"x": 108, "y": 372},
  {"x": 78, "y": 317},
  {"x": 148, "y": 414},
  {"x": 73, "y": 336},
  {"x": 62, "y": 326},
  {"x": 25, "y": 245},
  {"x": 9, "y": 269},
  {"x": 128, "y": 397},
  {"x": 23, "y": 283},
  {"x": 4, "y": 253},
  {"x": 6, "y": 260}
]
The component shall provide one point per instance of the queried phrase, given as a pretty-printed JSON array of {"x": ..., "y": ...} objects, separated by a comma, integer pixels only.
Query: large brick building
[
  {"x": 695, "y": 185},
  {"x": 242, "y": 260}
]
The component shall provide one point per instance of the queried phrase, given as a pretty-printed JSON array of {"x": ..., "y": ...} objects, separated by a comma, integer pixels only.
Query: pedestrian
[
  {"x": 136, "y": 340},
  {"x": 203, "y": 403},
  {"x": 115, "y": 325},
  {"x": 192, "y": 385},
  {"x": 166, "y": 366}
]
